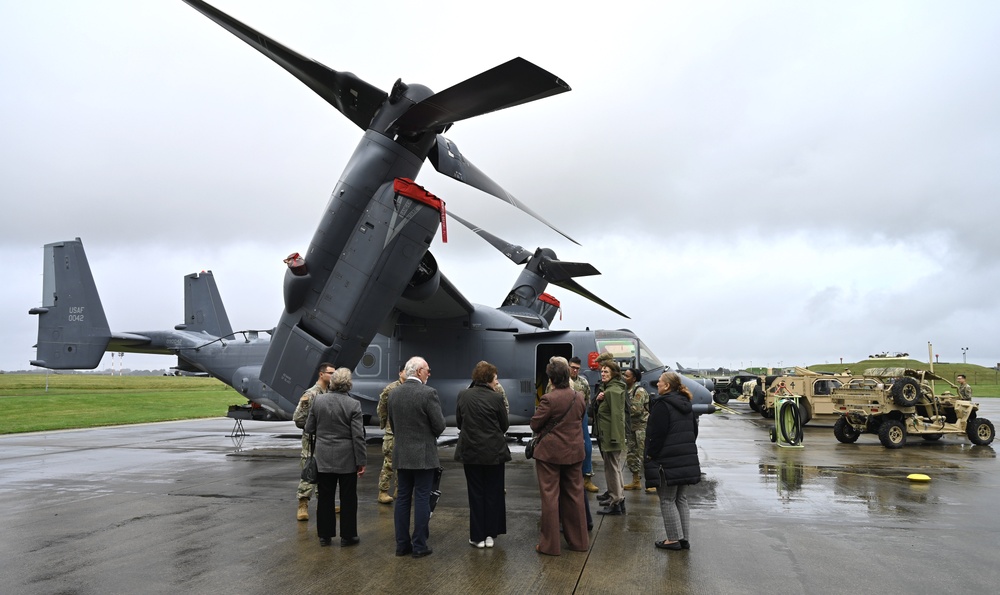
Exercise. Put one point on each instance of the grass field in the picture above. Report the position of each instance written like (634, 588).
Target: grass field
(84, 401)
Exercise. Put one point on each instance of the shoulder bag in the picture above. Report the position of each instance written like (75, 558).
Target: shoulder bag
(529, 450)
(311, 470)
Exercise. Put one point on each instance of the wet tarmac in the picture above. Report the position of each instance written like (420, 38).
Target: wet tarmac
(181, 507)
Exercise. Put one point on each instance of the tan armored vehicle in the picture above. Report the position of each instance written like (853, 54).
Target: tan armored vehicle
(896, 402)
(813, 388)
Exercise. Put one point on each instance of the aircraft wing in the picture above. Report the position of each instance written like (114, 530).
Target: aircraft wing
(446, 302)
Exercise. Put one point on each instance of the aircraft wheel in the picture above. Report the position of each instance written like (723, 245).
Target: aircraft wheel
(892, 434)
(980, 431)
(931, 437)
(905, 392)
(845, 432)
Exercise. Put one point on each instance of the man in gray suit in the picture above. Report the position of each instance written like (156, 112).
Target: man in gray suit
(416, 420)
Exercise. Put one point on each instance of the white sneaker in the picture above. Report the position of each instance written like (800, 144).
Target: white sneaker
(478, 544)
(489, 542)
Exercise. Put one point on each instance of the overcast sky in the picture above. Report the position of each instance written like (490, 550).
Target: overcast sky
(760, 183)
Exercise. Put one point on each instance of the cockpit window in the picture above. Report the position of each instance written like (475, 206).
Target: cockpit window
(622, 348)
(647, 359)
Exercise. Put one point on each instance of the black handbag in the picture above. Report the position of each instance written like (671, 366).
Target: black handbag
(529, 449)
(311, 470)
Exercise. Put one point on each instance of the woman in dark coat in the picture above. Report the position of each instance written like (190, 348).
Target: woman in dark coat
(672, 457)
(341, 455)
(482, 448)
(559, 464)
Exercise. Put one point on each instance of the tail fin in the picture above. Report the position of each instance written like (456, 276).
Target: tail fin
(203, 309)
(73, 331)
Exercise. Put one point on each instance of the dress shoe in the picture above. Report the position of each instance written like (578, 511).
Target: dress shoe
(349, 541)
(611, 510)
(477, 544)
(604, 496)
(422, 553)
(489, 541)
(406, 552)
(663, 545)
(685, 544)
(325, 541)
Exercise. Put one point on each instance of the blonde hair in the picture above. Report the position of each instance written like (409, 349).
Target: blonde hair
(673, 382)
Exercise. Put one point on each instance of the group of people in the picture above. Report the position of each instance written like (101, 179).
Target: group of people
(656, 434)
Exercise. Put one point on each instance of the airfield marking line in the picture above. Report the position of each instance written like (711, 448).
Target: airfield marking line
(729, 410)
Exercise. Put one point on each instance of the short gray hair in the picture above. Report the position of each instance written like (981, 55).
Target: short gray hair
(340, 381)
(413, 365)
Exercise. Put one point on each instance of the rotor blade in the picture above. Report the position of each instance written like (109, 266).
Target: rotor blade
(507, 85)
(555, 271)
(450, 161)
(352, 96)
(515, 253)
(580, 290)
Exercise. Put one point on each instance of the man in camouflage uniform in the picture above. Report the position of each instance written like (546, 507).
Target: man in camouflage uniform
(306, 489)
(638, 404)
(964, 390)
(385, 477)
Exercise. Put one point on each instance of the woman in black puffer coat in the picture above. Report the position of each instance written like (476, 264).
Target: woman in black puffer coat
(672, 456)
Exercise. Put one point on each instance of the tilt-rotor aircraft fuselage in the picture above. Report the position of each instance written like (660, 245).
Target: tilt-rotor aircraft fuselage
(367, 294)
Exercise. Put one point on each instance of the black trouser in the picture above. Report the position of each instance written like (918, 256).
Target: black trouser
(326, 515)
(487, 509)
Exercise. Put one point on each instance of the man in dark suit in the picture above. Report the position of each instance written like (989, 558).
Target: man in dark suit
(416, 420)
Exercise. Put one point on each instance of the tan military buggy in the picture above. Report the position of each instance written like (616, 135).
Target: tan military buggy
(896, 402)
(813, 388)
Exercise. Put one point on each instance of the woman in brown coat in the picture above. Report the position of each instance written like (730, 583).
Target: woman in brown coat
(559, 464)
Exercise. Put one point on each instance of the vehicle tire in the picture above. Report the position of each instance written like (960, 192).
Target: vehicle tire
(721, 397)
(773, 434)
(757, 399)
(892, 434)
(789, 423)
(844, 432)
(931, 437)
(980, 431)
(905, 392)
(765, 412)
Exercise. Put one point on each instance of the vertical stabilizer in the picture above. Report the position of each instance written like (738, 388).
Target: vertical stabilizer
(73, 331)
(203, 308)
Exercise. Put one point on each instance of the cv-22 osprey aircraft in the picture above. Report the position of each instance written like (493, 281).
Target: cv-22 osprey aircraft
(368, 293)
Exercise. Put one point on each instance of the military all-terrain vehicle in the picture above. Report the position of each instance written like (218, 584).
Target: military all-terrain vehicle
(896, 402)
(730, 387)
(813, 388)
